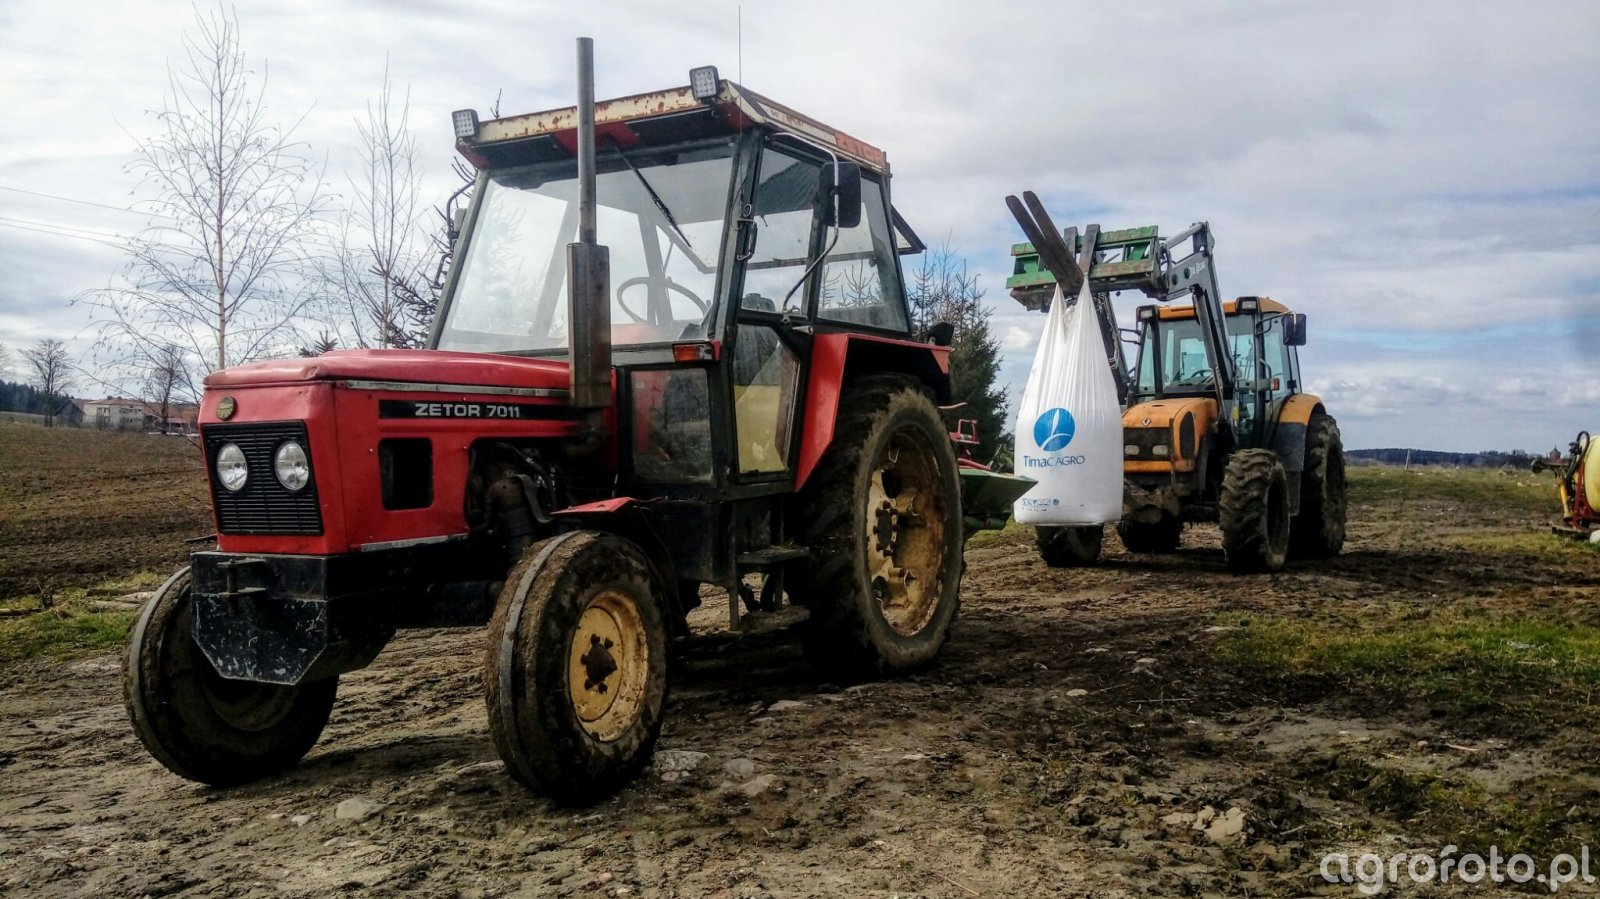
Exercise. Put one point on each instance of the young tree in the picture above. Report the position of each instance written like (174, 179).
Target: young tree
(942, 290)
(380, 267)
(221, 272)
(52, 374)
(168, 380)
(325, 343)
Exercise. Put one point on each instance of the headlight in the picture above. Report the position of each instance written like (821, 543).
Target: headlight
(289, 463)
(232, 469)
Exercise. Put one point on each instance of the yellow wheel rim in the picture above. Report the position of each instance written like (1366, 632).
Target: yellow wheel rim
(608, 665)
(905, 533)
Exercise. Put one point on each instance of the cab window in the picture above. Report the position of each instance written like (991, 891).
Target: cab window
(859, 285)
(786, 202)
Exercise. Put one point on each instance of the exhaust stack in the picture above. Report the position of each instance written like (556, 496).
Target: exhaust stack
(588, 264)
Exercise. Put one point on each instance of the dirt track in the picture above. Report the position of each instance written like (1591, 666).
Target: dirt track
(1066, 741)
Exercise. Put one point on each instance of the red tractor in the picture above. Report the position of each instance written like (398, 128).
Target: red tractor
(673, 350)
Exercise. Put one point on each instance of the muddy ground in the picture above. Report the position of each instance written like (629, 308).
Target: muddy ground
(1083, 734)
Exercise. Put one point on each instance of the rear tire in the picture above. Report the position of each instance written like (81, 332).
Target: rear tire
(882, 515)
(201, 725)
(1254, 511)
(576, 673)
(1142, 537)
(1318, 531)
(1069, 547)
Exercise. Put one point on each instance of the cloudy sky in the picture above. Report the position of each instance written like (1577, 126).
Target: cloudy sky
(1421, 179)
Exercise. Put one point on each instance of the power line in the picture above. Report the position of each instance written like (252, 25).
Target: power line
(88, 231)
(35, 193)
(97, 240)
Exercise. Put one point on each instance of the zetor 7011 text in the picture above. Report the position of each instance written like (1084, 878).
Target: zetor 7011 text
(673, 350)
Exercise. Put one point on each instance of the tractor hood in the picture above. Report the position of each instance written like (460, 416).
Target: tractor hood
(401, 366)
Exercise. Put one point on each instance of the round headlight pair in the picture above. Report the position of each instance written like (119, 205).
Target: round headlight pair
(289, 463)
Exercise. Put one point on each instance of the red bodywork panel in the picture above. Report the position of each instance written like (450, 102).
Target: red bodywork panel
(337, 395)
(829, 355)
(423, 366)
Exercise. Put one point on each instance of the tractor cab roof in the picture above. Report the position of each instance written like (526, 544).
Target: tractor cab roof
(661, 117)
(1231, 307)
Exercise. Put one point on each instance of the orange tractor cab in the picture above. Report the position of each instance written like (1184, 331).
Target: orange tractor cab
(673, 350)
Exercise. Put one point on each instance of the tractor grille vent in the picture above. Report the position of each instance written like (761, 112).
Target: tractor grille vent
(1139, 444)
(262, 506)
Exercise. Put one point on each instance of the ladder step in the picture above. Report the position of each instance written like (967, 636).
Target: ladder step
(772, 555)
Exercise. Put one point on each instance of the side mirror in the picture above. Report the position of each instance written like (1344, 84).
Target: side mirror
(1294, 329)
(842, 205)
(458, 220)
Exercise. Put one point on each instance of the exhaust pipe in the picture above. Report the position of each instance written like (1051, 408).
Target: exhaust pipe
(588, 264)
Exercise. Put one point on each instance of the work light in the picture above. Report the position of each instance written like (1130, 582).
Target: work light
(703, 82)
(466, 122)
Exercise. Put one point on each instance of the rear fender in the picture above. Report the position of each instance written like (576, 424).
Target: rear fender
(837, 360)
(1291, 418)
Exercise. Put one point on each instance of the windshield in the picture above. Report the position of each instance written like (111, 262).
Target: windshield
(661, 213)
(1183, 355)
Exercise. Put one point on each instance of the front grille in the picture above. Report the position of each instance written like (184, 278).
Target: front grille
(1142, 443)
(262, 506)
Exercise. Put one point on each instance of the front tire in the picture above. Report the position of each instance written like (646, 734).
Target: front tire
(576, 672)
(201, 725)
(1254, 511)
(1069, 547)
(1318, 531)
(882, 515)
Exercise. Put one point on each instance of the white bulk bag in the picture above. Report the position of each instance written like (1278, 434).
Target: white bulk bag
(1069, 425)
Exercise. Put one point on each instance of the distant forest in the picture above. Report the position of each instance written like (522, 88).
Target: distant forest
(16, 397)
(1485, 459)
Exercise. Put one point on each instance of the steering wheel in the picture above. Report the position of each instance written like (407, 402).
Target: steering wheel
(670, 284)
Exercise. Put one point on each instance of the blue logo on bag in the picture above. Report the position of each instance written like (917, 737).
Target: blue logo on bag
(1053, 431)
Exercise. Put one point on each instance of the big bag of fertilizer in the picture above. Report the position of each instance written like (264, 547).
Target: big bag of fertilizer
(1069, 424)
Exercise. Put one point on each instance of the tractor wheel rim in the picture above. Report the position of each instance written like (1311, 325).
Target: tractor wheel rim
(608, 665)
(905, 532)
(245, 705)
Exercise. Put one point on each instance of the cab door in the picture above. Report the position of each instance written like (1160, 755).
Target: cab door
(772, 319)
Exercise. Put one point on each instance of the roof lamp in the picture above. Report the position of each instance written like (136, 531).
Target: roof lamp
(466, 123)
(703, 82)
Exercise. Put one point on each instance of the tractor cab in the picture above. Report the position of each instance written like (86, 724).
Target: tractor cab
(740, 235)
(1262, 341)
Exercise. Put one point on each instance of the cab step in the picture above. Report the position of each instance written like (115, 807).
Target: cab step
(764, 559)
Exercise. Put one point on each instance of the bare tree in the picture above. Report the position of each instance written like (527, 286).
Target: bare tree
(52, 374)
(379, 270)
(168, 380)
(223, 275)
(5, 361)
